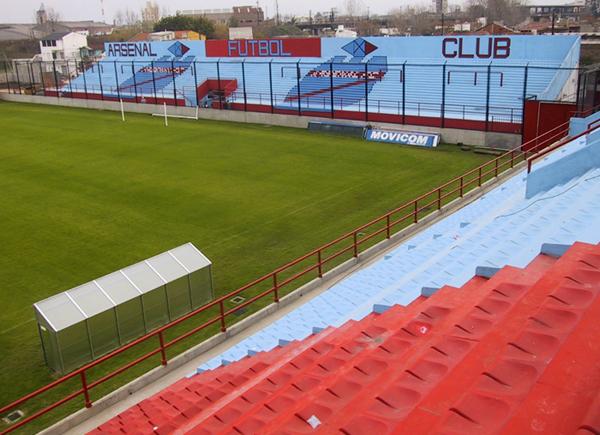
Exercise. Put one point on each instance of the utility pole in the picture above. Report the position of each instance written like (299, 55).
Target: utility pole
(277, 11)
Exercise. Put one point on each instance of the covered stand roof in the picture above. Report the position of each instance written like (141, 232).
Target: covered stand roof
(102, 294)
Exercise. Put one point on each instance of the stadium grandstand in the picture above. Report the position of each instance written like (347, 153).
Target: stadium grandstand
(469, 309)
(476, 82)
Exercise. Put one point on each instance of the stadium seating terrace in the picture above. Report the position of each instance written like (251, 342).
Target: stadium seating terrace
(485, 322)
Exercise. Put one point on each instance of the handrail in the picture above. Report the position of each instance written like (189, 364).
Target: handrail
(565, 141)
(350, 242)
(586, 112)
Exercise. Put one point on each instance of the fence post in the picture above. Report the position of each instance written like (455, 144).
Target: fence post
(366, 92)
(70, 79)
(153, 82)
(415, 212)
(31, 78)
(99, 66)
(6, 64)
(595, 94)
(222, 315)
(487, 98)
(439, 198)
(18, 78)
(443, 108)
(55, 78)
(275, 288)
(332, 108)
(84, 79)
(219, 84)
(355, 244)
(117, 80)
(244, 84)
(41, 77)
(577, 101)
(320, 263)
(585, 76)
(387, 227)
(298, 87)
(461, 189)
(404, 93)
(174, 84)
(195, 84)
(271, 85)
(86, 392)
(479, 177)
(526, 74)
(163, 354)
(134, 80)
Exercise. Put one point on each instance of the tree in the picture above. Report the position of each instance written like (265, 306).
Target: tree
(150, 15)
(353, 8)
(119, 18)
(221, 31)
(183, 22)
(510, 12)
(131, 18)
(53, 15)
(367, 28)
(413, 21)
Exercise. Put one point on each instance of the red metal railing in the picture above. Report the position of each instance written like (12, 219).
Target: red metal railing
(353, 242)
(591, 127)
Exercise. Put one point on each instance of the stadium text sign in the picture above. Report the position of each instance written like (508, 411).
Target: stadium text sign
(293, 47)
(402, 137)
(476, 48)
(130, 49)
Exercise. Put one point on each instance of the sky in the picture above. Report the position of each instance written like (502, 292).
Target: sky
(22, 11)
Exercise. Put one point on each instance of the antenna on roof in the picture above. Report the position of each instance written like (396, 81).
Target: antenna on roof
(102, 10)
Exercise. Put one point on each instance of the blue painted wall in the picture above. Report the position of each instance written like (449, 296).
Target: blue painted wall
(523, 49)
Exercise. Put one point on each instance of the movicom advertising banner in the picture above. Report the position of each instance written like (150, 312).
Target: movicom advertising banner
(402, 137)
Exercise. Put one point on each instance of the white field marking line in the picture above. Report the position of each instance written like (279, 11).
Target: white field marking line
(18, 325)
(290, 213)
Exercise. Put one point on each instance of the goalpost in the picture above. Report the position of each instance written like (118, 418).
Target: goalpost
(167, 116)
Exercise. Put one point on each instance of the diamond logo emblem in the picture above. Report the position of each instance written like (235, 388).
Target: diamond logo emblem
(359, 47)
(178, 49)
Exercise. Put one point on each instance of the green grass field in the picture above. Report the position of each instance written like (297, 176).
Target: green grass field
(84, 194)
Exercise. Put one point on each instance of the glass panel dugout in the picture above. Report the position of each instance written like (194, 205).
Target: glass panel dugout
(90, 320)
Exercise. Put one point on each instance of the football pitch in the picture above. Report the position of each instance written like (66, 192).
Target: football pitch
(84, 194)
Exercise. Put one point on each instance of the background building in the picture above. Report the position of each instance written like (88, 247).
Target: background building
(62, 46)
(237, 16)
(240, 33)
